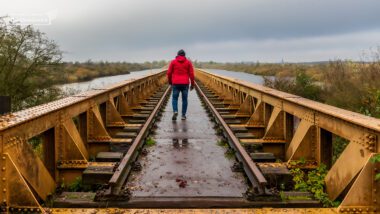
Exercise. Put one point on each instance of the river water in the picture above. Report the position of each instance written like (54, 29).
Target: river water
(73, 88)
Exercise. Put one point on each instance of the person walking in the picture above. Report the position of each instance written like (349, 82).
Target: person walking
(180, 74)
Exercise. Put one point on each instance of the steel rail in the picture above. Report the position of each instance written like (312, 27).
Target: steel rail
(118, 178)
(253, 172)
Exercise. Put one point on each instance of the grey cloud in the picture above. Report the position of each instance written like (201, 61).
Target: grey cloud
(99, 30)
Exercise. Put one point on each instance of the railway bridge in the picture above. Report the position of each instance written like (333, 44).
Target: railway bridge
(115, 149)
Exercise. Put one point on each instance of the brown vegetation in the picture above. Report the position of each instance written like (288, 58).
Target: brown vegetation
(355, 87)
(313, 70)
(350, 85)
(77, 72)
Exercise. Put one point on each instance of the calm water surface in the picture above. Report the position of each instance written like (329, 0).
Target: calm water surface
(77, 87)
(73, 88)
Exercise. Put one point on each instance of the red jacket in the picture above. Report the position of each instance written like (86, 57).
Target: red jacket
(180, 71)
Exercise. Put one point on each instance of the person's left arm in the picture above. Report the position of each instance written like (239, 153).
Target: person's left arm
(191, 75)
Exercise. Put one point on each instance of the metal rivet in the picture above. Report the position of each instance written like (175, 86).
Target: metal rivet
(3, 169)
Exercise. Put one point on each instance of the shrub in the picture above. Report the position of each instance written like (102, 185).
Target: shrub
(313, 182)
(302, 85)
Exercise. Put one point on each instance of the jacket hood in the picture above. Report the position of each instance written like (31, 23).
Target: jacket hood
(180, 58)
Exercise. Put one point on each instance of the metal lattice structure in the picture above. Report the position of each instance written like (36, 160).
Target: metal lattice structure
(72, 129)
(351, 176)
(76, 128)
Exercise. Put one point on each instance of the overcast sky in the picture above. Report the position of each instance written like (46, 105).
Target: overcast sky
(218, 30)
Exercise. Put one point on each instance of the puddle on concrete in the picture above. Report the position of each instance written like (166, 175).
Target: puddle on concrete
(186, 160)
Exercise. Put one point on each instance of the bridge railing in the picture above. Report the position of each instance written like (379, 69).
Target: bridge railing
(66, 134)
(75, 128)
(307, 128)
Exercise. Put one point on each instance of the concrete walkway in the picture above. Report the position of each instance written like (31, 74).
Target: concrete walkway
(186, 160)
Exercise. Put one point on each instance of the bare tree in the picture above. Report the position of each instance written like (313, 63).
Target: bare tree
(29, 63)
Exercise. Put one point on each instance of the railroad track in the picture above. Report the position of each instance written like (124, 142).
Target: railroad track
(105, 183)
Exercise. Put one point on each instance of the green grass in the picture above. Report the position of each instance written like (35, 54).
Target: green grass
(219, 131)
(76, 186)
(230, 154)
(222, 143)
(299, 198)
(313, 182)
(150, 141)
(72, 196)
(376, 159)
(290, 198)
(37, 146)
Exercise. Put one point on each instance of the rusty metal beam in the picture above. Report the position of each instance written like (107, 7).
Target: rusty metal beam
(275, 98)
(72, 139)
(257, 118)
(363, 195)
(66, 145)
(275, 126)
(318, 121)
(13, 183)
(200, 211)
(113, 117)
(268, 108)
(246, 107)
(298, 139)
(36, 120)
(345, 169)
(29, 166)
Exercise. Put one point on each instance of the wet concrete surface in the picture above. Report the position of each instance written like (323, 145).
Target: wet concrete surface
(186, 160)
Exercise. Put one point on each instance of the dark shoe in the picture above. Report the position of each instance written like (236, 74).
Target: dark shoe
(175, 116)
(183, 118)
(176, 143)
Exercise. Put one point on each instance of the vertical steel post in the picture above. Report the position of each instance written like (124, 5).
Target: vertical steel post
(5, 104)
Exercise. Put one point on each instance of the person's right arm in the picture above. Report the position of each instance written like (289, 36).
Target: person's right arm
(169, 73)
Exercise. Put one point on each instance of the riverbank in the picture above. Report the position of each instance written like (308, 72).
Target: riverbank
(315, 70)
(77, 87)
(86, 71)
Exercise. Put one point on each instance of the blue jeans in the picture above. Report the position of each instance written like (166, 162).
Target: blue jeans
(184, 89)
